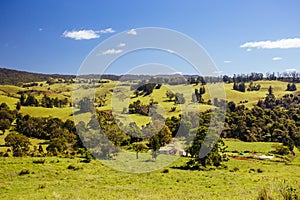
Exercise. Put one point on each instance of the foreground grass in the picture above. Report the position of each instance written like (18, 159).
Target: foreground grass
(53, 180)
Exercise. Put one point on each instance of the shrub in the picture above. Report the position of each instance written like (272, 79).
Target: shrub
(259, 170)
(289, 193)
(74, 167)
(281, 149)
(24, 172)
(40, 161)
(264, 194)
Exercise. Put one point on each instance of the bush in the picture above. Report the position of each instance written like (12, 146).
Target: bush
(281, 149)
(259, 170)
(24, 172)
(40, 161)
(74, 167)
(264, 195)
(289, 193)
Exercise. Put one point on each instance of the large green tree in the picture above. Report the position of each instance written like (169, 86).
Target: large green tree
(19, 143)
(4, 125)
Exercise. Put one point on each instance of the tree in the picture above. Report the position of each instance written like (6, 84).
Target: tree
(31, 101)
(4, 125)
(270, 90)
(138, 147)
(155, 145)
(4, 106)
(19, 143)
(57, 145)
(85, 105)
(22, 99)
(18, 106)
(179, 99)
(242, 87)
(170, 95)
(291, 87)
(164, 136)
(216, 155)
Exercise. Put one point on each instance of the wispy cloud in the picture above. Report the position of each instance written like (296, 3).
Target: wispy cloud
(290, 70)
(81, 34)
(132, 32)
(248, 50)
(227, 61)
(86, 34)
(108, 30)
(276, 58)
(112, 51)
(286, 43)
(40, 29)
(122, 45)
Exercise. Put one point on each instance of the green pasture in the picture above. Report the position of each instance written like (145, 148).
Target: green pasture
(242, 179)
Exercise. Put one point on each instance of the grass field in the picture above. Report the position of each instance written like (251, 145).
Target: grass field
(62, 113)
(53, 179)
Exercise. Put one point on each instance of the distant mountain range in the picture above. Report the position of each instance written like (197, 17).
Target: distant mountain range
(15, 77)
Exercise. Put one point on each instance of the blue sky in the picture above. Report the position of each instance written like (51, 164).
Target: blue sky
(55, 36)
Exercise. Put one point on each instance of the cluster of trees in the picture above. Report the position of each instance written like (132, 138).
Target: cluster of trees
(147, 88)
(178, 98)
(61, 135)
(197, 96)
(291, 87)
(285, 76)
(239, 86)
(273, 120)
(6, 117)
(138, 107)
(46, 101)
(253, 87)
(197, 80)
(30, 85)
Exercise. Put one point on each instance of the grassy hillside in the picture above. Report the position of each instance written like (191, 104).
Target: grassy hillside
(119, 96)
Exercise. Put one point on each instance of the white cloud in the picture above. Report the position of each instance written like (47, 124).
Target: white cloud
(122, 45)
(132, 32)
(286, 43)
(248, 50)
(112, 51)
(290, 70)
(276, 58)
(81, 35)
(41, 29)
(108, 30)
(227, 61)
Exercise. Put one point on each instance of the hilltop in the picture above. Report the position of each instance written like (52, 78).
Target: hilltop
(15, 77)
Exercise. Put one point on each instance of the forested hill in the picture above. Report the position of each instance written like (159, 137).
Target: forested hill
(14, 77)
